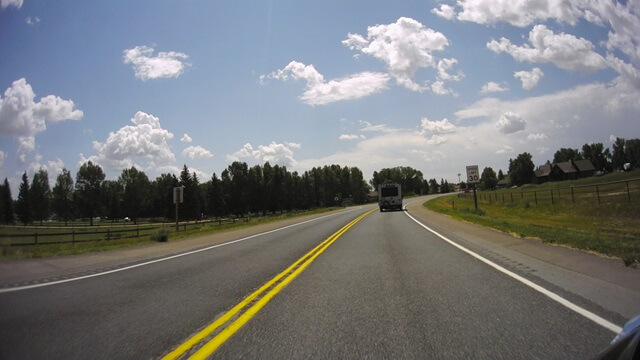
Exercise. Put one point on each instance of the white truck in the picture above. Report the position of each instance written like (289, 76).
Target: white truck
(390, 196)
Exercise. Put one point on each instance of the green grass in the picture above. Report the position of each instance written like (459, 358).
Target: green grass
(611, 228)
(8, 252)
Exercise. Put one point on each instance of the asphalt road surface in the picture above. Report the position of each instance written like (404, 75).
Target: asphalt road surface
(384, 287)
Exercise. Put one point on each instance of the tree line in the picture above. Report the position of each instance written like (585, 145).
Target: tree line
(240, 190)
(521, 169)
(411, 180)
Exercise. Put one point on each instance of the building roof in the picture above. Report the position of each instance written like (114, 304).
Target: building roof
(584, 165)
(566, 167)
(543, 170)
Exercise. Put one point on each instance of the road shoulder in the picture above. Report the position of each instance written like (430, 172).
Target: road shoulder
(601, 280)
(32, 271)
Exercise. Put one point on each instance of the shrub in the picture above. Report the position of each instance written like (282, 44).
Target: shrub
(160, 235)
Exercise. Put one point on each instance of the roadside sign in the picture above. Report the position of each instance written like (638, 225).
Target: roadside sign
(473, 174)
(178, 196)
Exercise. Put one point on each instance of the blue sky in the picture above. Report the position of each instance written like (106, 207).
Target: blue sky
(435, 85)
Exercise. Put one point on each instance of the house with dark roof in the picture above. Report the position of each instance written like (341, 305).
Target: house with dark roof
(568, 170)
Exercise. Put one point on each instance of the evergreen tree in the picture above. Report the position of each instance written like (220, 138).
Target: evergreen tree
(617, 157)
(112, 198)
(215, 198)
(40, 196)
(62, 202)
(162, 196)
(434, 188)
(23, 205)
(6, 216)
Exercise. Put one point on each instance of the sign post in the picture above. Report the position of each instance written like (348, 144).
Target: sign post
(178, 197)
(473, 177)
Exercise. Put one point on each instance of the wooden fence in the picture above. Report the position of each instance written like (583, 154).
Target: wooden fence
(626, 190)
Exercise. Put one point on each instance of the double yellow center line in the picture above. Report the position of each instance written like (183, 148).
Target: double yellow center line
(240, 314)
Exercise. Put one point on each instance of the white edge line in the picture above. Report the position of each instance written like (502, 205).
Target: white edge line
(589, 315)
(26, 287)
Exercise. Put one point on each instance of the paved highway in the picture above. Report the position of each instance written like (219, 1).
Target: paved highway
(381, 286)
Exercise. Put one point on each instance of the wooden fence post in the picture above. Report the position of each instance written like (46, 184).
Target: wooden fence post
(598, 194)
(551, 196)
(36, 235)
(573, 199)
(628, 192)
(535, 196)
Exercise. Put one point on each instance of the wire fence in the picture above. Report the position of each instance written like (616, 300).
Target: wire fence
(76, 234)
(602, 193)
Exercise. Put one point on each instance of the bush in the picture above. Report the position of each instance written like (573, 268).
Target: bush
(160, 235)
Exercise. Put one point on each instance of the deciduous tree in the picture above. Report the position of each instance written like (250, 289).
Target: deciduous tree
(88, 190)
(521, 169)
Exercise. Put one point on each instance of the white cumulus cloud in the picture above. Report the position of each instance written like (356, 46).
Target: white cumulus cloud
(186, 139)
(15, 3)
(274, 153)
(519, 13)
(537, 137)
(32, 21)
(529, 78)
(445, 11)
(404, 46)
(322, 92)
(352, 137)
(505, 149)
(510, 123)
(196, 152)
(147, 66)
(563, 50)
(436, 127)
(23, 118)
(492, 87)
(143, 144)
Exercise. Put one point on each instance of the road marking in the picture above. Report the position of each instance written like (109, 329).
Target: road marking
(582, 311)
(26, 287)
(275, 285)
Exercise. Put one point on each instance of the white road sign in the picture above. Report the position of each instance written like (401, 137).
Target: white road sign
(473, 174)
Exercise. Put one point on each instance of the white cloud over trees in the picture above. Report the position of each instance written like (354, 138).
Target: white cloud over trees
(23, 118)
(143, 144)
(196, 152)
(274, 153)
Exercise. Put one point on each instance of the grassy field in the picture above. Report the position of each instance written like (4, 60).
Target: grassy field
(611, 228)
(117, 240)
